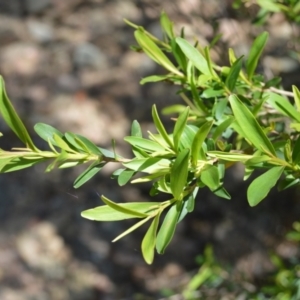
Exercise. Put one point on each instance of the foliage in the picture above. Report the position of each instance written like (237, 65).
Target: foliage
(282, 284)
(230, 115)
(290, 8)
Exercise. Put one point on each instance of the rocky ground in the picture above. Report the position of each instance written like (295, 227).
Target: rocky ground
(68, 64)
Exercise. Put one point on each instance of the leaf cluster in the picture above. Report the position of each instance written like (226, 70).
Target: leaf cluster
(229, 115)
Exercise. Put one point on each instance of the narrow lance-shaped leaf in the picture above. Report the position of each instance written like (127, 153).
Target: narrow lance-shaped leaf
(160, 127)
(198, 141)
(86, 175)
(209, 62)
(179, 173)
(144, 144)
(283, 105)
(296, 97)
(234, 74)
(149, 241)
(123, 209)
(194, 55)
(167, 228)
(260, 187)
(125, 176)
(249, 126)
(167, 25)
(12, 119)
(46, 132)
(179, 127)
(269, 5)
(136, 129)
(107, 213)
(210, 177)
(132, 228)
(155, 52)
(255, 53)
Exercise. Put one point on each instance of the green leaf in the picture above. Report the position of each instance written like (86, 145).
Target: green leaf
(193, 55)
(199, 138)
(136, 129)
(86, 175)
(179, 173)
(234, 74)
(160, 127)
(188, 136)
(230, 156)
(154, 52)
(269, 5)
(255, 53)
(12, 119)
(188, 204)
(132, 228)
(20, 163)
(260, 186)
(222, 193)
(89, 145)
(283, 105)
(149, 241)
(61, 143)
(46, 132)
(148, 165)
(144, 144)
(210, 177)
(297, 97)
(249, 126)
(179, 127)
(209, 62)
(168, 227)
(173, 109)
(154, 78)
(125, 176)
(107, 213)
(221, 128)
(167, 25)
(123, 209)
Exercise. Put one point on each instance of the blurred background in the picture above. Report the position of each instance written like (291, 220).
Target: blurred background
(68, 63)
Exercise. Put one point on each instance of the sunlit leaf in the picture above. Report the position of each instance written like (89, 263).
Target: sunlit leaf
(132, 228)
(148, 165)
(167, 25)
(125, 176)
(86, 175)
(149, 241)
(144, 144)
(234, 74)
(269, 5)
(46, 132)
(194, 55)
(107, 213)
(210, 177)
(154, 78)
(255, 53)
(283, 105)
(180, 126)
(179, 173)
(123, 209)
(198, 141)
(154, 52)
(297, 97)
(250, 127)
(160, 127)
(12, 119)
(167, 228)
(260, 186)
